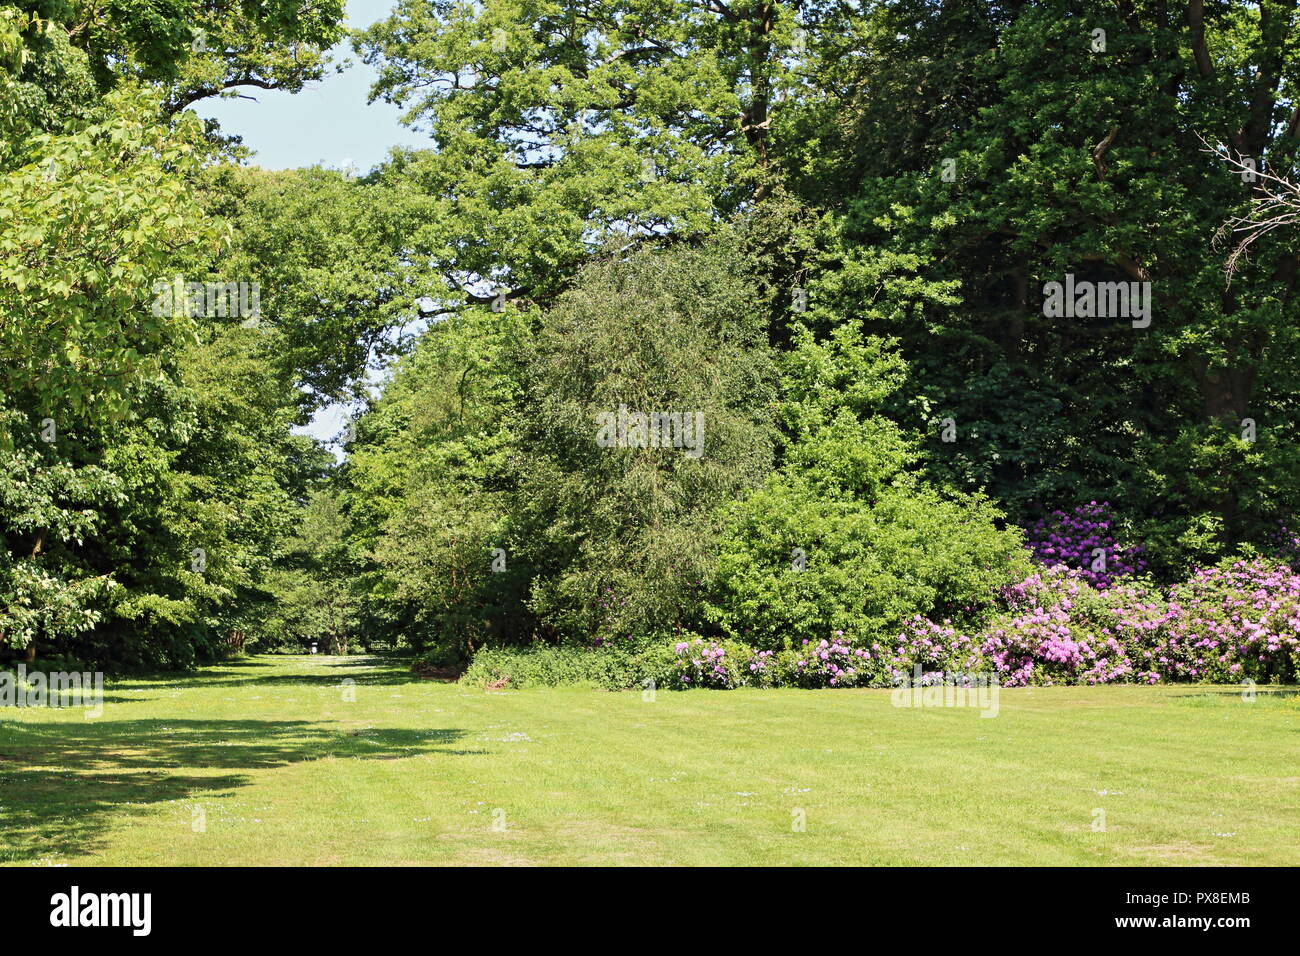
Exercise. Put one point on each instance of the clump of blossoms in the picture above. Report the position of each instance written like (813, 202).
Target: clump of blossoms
(1059, 629)
(761, 667)
(830, 662)
(1073, 538)
(1056, 586)
(1036, 646)
(709, 663)
(1232, 622)
(1132, 630)
(938, 649)
(1286, 545)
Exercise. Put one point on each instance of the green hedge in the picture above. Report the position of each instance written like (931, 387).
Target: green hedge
(553, 667)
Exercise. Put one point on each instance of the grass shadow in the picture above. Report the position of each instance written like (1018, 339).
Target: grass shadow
(61, 784)
(376, 672)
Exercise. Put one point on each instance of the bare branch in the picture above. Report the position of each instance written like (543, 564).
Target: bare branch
(1275, 205)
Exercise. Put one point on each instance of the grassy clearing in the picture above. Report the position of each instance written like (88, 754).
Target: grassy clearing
(282, 769)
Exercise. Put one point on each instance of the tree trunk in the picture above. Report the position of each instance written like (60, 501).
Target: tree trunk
(1225, 392)
(1226, 395)
(755, 120)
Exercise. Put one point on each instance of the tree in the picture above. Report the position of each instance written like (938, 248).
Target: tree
(191, 49)
(647, 405)
(425, 483)
(562, 129)
(91, 216)
(313, 586)
(1071, 144)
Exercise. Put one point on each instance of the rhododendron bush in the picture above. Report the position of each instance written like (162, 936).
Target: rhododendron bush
(697, 662)
(1235, 622)
(1085, 539)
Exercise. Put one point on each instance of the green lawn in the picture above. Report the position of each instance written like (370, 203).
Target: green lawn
(282, 769)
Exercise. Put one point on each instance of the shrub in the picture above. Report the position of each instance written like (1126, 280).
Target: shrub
(1236, 621)
(937, 650)
(1225, 624)
(547, 666)
(1073, 539)
(862, 567)
(698, 662)
(1285, 545)
(830, 662)
(843, 538)
(1060, 629)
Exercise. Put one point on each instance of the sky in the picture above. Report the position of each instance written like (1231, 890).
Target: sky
(329, 123)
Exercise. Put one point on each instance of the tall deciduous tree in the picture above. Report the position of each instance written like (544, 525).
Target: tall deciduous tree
(558, 126)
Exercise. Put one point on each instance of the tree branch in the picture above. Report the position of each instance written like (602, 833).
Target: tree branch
(1099, 151)
(1196, 20)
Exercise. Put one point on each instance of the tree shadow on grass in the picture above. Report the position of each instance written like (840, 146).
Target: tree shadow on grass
(363, 671)
(61, 784)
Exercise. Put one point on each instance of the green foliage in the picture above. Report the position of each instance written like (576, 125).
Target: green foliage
(1067, 158)
(620, 538)
(39, 604)
(328, 253)
(148, 469)
(91, 220)
(692, 662)
(560, 128)
(844, 536)
(545, 666)
(869, 565)
(425, 480)
(313, 586)
(647, 193)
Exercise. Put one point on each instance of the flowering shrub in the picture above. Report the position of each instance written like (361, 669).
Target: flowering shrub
(1073, 538)
(843, 661)
(762, 668)
(1237, 621)
(1035, 647)
(937, 649)
(1134, 617)
(708, 663)
(832, 662)
(1059, 629)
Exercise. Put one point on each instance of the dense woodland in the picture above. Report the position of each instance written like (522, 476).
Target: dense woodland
(824, 230)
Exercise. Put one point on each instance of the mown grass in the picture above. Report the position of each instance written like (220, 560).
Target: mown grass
(281, 768)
